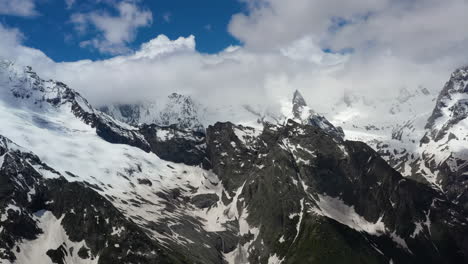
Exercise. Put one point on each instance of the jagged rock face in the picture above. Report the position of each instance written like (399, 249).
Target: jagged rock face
(173, 144)
(302, 113)
(451, 106)
(178, 110)
(290, 179)
(445, 143)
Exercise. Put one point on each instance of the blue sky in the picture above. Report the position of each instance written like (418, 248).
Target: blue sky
(51, 30)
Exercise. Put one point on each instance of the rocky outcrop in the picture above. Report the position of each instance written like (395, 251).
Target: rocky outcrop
(173, 144)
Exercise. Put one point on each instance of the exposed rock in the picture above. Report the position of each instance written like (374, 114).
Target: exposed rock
(173, 144)
(205, 200)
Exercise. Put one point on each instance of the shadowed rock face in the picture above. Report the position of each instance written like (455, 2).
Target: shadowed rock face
(285, 172)
(173, 144)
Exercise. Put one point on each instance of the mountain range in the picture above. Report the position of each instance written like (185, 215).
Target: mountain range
(174, 181)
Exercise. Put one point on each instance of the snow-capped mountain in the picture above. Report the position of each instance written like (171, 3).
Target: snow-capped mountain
(177, 110)
(424, 143)
(186, 114)
(444, 147)
(393, 125)
(78, 186)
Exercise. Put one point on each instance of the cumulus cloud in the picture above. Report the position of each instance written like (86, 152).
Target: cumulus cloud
(112, 33)
(25, 8)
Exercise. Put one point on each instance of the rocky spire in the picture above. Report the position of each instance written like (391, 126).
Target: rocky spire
(298, 104)
(302, 113)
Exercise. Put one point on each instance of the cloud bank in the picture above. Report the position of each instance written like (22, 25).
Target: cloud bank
(323, 48)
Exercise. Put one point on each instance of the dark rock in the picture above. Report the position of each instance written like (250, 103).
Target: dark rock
(57, 255)
(173, 144)
(205, 200)
(145, 182)
(83, 253)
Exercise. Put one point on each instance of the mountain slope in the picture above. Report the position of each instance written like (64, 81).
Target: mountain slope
(445, 144)
(432, 147)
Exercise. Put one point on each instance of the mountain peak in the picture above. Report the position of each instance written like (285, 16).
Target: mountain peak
(298, 98)
(304, 114)
(451, 105)
(178, 109)
(299, 104)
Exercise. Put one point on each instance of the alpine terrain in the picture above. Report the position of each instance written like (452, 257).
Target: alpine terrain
(165, 182)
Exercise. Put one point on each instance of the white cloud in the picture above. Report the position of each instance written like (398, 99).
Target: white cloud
(242, 76)
(11, 48)
(274, 23)
(283, 51)
(114, 33)
(419, 30)
(162, 45)
(163, 66)
(24, 8)
(306, 48)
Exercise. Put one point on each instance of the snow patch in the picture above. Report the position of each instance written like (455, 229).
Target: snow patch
(274, 259)
(336, 209)
(53, 236)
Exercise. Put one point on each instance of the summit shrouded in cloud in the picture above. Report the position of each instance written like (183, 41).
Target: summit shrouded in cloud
(324, 49)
